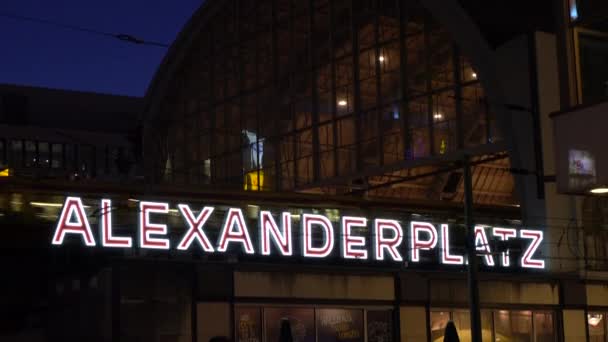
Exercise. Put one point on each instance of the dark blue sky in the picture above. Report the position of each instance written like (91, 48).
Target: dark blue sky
(41, 55)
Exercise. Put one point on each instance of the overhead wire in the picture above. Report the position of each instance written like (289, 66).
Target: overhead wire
(120, 36)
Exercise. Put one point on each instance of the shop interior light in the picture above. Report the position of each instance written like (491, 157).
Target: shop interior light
(342, 103)
(474, 75)
(599, 190)
(437, 116)
(381, 58)
(594, 319)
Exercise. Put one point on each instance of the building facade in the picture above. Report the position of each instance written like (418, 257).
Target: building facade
(304, 177)
(50, 133)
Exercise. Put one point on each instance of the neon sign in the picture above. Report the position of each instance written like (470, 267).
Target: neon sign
(317, 235)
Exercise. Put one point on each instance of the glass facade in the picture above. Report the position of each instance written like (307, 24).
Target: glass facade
(293, 95)
(63, 160)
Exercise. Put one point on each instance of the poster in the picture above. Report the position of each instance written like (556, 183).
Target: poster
(248, 324)
(343, 325)
(379, 326)
(301, 321)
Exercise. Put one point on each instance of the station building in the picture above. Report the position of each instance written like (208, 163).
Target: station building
(304, 168)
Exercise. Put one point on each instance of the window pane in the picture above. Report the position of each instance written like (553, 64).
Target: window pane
(300, 320)
(44, 156)
(2, 154)
(379, 325)
(594, 70)
(462, 321)
(439, 319)
(56, 156)
(340, 325)
(513, 325)
(30, 153)
(543, 326)
(248, 324)
(597, 324)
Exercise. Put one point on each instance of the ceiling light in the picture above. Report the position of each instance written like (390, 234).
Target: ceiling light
(342, 103)
(599, 190)
(381, 58)
(594, 319)
(474, 75)
(437, 116)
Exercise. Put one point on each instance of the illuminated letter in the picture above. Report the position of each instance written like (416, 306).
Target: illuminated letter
(107, 239)
(382, 243)
(505, 234)
(195, 231)
(446, 257)
(281, 237)
(73, 205)
(537, 238)
(146, 229)
(234, 217)
(316, 252)
(349, 241)
(482, 244)
(416, 243)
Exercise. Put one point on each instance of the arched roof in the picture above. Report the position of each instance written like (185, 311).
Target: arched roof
(448, 13)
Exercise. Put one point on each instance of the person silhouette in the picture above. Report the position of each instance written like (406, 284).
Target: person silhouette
(450, 334)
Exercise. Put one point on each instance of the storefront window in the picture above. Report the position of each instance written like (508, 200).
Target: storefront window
(379, 326)
(543, 327)
(306, 324)
(299, 321)
(336, 325)
(496, 325)
(513, 325)
(597, 326)
(248, 324)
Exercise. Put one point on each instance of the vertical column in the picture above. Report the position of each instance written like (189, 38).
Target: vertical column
(379, 111)
(357, 88)
(193, 306)
(276, 139)
(429, 85)
(334, 109)
(458, 96)
(316, 152)
(115, 303)
(471, 253)
(403, 103)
